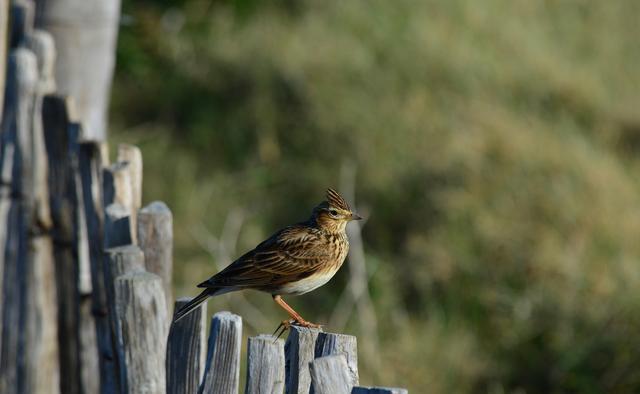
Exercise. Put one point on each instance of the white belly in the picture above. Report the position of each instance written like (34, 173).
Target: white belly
(307, 284)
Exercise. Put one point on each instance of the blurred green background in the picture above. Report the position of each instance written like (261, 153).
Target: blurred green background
(494, 147)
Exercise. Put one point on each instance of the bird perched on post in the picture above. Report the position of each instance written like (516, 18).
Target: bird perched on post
(295, 260)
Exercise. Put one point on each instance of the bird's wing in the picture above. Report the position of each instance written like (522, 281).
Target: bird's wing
(289, 255)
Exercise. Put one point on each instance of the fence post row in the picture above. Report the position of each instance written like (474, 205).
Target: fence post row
(85, 269)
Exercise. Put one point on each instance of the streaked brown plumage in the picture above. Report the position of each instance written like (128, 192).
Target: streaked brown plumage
(295, 260)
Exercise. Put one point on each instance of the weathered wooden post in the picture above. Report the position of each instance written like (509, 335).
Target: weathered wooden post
(120, 261)
(222, 371)
(41, 343)
(117, 262)
(265, 365)
(41, 44)
(378, 390)
(141, 320)
(89, 169)
(4, 30)
(329, 375)
(78, 357)
(21, 17)
(155, 235)
(20, 349)
(118, 202)
(117, 226)
(340, 344)
(131, 155)
(299, 351)
(186, 350)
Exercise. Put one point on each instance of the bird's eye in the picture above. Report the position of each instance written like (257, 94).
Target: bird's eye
(333, 212)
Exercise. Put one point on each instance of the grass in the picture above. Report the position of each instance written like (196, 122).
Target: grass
(496, 151)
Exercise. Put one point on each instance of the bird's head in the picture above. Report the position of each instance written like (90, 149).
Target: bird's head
(334, 213)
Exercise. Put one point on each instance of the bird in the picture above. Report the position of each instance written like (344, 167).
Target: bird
(295, 260)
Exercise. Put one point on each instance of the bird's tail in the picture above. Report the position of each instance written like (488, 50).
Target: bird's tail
(193, 304)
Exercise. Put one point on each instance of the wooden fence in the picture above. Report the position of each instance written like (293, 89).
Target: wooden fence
(85, 269)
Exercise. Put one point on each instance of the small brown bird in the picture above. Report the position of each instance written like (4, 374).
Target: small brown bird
(294, 260)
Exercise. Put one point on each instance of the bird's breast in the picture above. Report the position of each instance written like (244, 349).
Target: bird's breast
(307, 284)
(339, 245)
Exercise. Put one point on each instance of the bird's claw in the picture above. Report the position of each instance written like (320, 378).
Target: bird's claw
(284, 326)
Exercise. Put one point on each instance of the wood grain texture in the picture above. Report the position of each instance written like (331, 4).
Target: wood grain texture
(41, 320)
(141, 316)
(42, 308)
(21, 16)
(186, 350)
(116, 186)
(340, 344)
(119, 261)
(265, 365)
(329, 375)
(4, 39)
(122, 260)
(89, 170)
(131, 155)
(7, 215)
(62, 200)
(17, 357)
(118, 200)
(222, 370)
(117, 226)
(155, 235)
(41, 44)
(378, 390)
(299, 352)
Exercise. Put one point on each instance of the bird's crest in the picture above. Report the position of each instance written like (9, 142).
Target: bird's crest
(336, 200)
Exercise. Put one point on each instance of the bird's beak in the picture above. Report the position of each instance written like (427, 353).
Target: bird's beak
(355, 217)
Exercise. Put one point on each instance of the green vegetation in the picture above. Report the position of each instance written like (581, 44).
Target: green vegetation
(496, 147)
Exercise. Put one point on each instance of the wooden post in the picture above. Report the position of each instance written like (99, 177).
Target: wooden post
(300, 351)
(131, 155)
(91, 347)
(63, 202)
(119, 261)
(4, 35)
(89, 166)
(41, 44)
(6, 218)
(117, 185)
(141, 316)
(222, 371)
(17, 357)
(22, 14)
(265, 365)
(335, 344)
(119, 205)
(117, 226)
(329, 375)
(41, 321)
(42, 312)
(7, 150)
(378, 390)
(155, 234)
(122, 260)
(186, 350)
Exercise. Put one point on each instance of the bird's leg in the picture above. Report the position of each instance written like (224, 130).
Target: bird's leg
(294, 315)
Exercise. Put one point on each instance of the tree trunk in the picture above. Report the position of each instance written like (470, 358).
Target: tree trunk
(85, 33)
